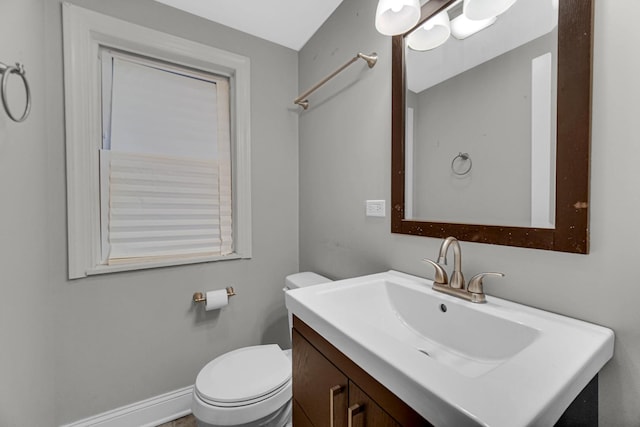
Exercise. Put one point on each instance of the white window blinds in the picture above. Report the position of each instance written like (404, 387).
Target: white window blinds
(165, 164)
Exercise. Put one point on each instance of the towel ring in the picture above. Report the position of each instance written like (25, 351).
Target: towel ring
(463, 157)
(6, 70)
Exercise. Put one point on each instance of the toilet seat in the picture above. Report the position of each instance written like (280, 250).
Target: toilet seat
(243, 385)
(240, 403)
(244, 376)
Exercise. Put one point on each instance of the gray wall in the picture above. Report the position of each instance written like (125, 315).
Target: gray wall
(26, 306)
(485, 112)
(345, 159)
(72, 349)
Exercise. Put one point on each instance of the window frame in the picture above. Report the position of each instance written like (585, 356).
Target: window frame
(85, 32)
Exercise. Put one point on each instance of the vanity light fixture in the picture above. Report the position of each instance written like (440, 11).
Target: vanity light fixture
(395, 17)
(485, 9)
(463, 27)
(431, 34)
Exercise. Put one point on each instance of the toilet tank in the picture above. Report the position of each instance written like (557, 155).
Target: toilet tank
(301, 280)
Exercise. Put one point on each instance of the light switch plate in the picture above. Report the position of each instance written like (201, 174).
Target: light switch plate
(376, 208)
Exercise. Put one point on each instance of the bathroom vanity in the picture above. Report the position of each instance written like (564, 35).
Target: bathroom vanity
(386, 350)
(329, 388)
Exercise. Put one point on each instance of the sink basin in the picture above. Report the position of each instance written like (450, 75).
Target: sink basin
(470, 341)
(454, 362)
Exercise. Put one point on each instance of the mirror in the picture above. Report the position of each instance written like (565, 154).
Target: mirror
(500, 84)
(519, 181)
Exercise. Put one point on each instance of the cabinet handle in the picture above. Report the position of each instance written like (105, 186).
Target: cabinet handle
(351, 411)
(332, 392)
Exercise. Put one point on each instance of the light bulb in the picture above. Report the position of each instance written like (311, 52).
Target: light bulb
(485, 9)
(395, 17)
(431, 34)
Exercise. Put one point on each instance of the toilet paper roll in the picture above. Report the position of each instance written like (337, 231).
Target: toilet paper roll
(216, 299)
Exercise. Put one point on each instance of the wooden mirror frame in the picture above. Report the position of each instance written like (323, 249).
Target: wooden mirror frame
(571, 232)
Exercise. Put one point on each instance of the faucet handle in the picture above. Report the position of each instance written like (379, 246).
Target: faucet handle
(441, 275)
(475, 284)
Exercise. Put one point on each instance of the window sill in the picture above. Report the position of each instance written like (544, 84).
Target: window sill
(117, 268)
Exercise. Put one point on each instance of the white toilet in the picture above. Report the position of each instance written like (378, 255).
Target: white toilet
(250, 386)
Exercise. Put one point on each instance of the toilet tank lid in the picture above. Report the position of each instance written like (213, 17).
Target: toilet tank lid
(307, 278)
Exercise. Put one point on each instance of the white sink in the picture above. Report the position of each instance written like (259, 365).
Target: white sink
(455, 362)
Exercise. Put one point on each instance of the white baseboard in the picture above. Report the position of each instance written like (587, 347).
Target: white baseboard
(147, 413)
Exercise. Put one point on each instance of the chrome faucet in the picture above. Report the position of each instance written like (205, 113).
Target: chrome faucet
(474, 292)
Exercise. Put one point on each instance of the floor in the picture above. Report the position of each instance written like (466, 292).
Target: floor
(188, 421)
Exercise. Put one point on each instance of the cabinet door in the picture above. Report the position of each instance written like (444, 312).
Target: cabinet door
(319, 388)
(299, 417)
(364, 412)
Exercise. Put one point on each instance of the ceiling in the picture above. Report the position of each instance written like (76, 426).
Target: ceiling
(289, 23)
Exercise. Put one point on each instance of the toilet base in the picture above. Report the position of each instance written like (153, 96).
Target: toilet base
(280, 418)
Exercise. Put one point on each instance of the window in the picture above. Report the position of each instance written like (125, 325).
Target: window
(157, 148)
(165, 162)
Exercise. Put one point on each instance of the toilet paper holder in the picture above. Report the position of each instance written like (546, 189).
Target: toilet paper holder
(202, 297)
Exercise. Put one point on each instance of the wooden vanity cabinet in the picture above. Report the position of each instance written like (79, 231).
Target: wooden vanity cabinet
(329, 390)
(319, 388)
(365, 412)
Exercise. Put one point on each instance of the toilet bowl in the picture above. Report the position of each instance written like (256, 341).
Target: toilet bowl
(250, 386)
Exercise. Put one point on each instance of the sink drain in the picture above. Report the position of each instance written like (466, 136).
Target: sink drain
(443, 308)
(425, 352)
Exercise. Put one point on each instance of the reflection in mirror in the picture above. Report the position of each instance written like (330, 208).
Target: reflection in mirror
(492, 96)
(491, 128)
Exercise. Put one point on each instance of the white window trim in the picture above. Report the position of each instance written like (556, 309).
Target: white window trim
(84, 32)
